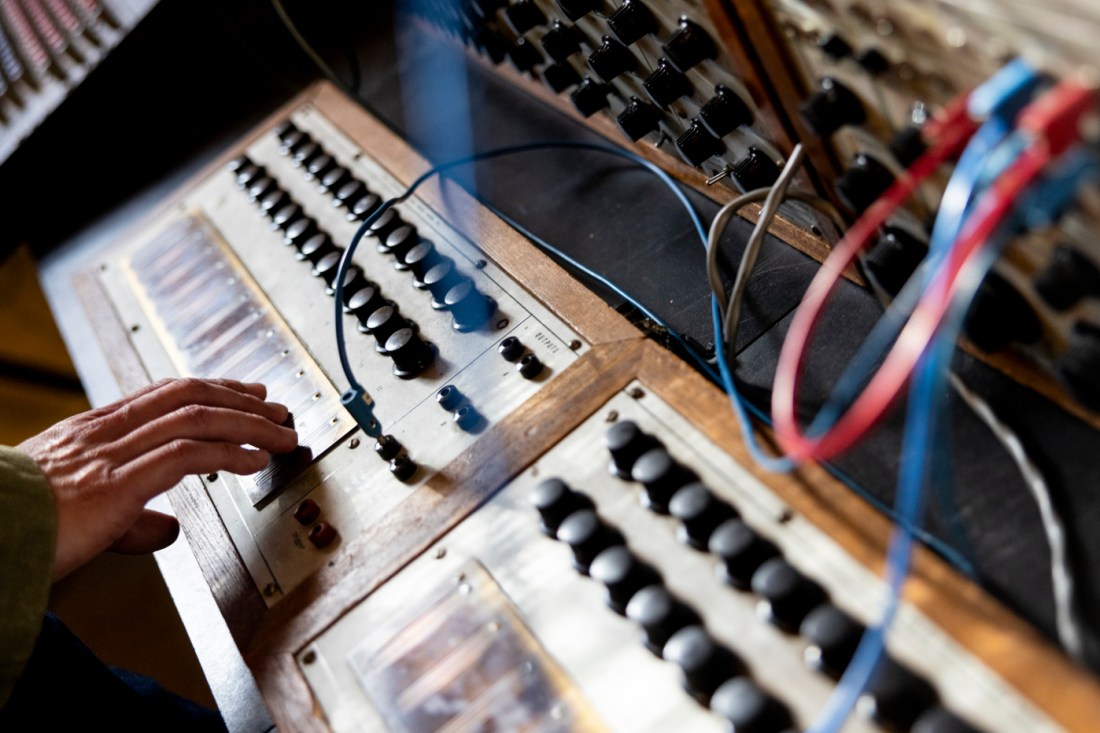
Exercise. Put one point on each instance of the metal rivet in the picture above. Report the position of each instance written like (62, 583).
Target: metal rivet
(502, 324)
(785, 516)
(612, 416)
(637, 393)
(480, 264)
(353, 443)
(270, 589)
(575, 344)
(440, 553)
(309, 657)
(135, 328)
(212, 477)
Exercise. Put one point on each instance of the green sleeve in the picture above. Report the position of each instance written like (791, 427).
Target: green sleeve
(28, 530)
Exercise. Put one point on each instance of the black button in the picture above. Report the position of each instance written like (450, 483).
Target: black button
(439, 280)
(334, 179)
(689, 46)
(939, 720)
(299, 231)
(306, 153)
(449, 397)
(833, 636)
(611, 59)
(894, 257)
(725, 111)
(1068, 278)
(832, 107)
(363, 207)
(834, 46)
(590, 97)
(638, 119)
(286, 215)
(700, 513)
(704, 663)
(467, 418)
(623, 574)
(755, 170)
(1000, 315)
(469, 308)
(748, 708)
(400, 241)
(907, 145)
(895, 696)
(249, 174)
(665, 85)
(319, 166)
(403, 468)
(384, 323)
(511, 349)
(1079, 367)
(863, 183)
(261, 187)
(741, 550)
(588, 536)
(873, 61)
(387, 447)
(410, 354)
(560, 76)
(420, 259)
(524, 55)
(364, 303)
(349, 192)
(787, 594)
(523, 15)
(555, 501)
(561, 41)
(386, 222)
(626, 442)
(577, 9)
(661, 476)
(631, 21)
(696, 144)
(660, 616)
(315, 247)
(530, 366)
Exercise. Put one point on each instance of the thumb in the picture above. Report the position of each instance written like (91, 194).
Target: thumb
(152, 531)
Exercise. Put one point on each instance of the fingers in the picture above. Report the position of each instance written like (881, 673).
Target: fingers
(151, 532)
(160, 469)
(201, 422)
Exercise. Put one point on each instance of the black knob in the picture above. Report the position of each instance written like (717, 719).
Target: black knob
(411, 355)
(524, 55)
(689, 46)
(873, 61)
(1079, 366)
(834, 46)
(237, 164)
(386, 222)
(364, 302)
(863, 183)
(469, 308)
(468, 419)
(748, 708)
(665, 85)
(307, 512)
(895, 697)
(623, 574)
(284, 128)
(249, 174)
(700, 512)
(292, 142)
(1068, 278)
(492, 43)
(298, 232)
(704, 662)
(661, 476)
(561, 41)
(939, 720)
(530, 366)
(832, 107)
(560, 76)
(261, 187)
(334, 179)
(725, 111)
(402, 468)
(660, 616)
(638, 119)
(786, 594)
(316, 247)
(384, 323)
(626, 442)
(555, 501)
(319, 166)
(523, 15)
(325, 268)
(696, 144)
(449, 397)
(590, 97)
(273, 201)
(755, 170)
(741, 550)
(577, 9)
(833, 637)
(894, 257)
(611, 59)
(511, 349)
(286, 215)
(588, 536)
(399, 242)
(363, 207)
(907, 145)
(439, 280)
(1000, 315)
(349, 193)
(306, 153)
(387, 447)
(420, 259)
(354, 281)
(632, 21)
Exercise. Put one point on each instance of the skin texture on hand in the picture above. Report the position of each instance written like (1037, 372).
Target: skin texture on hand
(105, 464)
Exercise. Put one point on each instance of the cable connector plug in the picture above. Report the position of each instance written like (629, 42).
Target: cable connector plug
(1057, 117)
(361, 407)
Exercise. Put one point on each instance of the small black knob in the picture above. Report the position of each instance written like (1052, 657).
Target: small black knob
(325, 268)
(689, 46)
(319, 166)
(468, 419)
(863, 183)
(555, 501)
(411, 355)
(511, 349)
(873, 61)
(354, 280)
(349, 193)
(241, 161)
(420, 259)
(382, 324)
(786, 594)
(755, 170)
(638, 119)
(623, 574)
(1000, 315)
(449, 397)
(523, 15)
(894, 257)
(725, 111)
(530, 366)
(1079, 366)
(299, 231)
(334, 179)
(696, 144)
(382, 226)
(660, 615)
(832, 107)
(700, 512)
(611, 59)
(907, 145)
(315, 247)
(403, 468)
(833, 637)
(1068, 278)
(590, 97)
(895, 697)
(741, 550)
(661, 476)
(665, 85)
(524, 55)
(492, 43)
(284, 128)
(940, 720)
(560, 76)
(561, 41)
(387, 447)
(306, 153)
(261, 187)
(577, 9)
(249, 174)
(273, 201)
(439, 280)
(286, 215)
(704, 662)
(626, 442)
(469, 308)
(364, 302)
(399, 242)
(632, 21)
(363, 207)
(588, 536)
(834, 46)
(292, 142)
(748, 708)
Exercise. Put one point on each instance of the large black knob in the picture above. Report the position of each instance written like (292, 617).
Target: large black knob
(523, 15)
(382, 226)
(748, 708)
(326, 267)
(555, 501)
(689, 46)
(725, 111)
(292, 142)
(273, 201)
(632, 21)
(588, 536)
(696, 144)
(306, 153)
(660, 615)
(261, 187)
(895, 697)
(833, 637)
(439, 280)
(286, 215)
(334, 179)
(611, 59)
(665, 85)
(577, 9)
(638, 119)
(364, 302)
(661, 476)
(349, 193)
(399, 242)
(786, 594)
(524, 55)
(354, 280)
(940, 720)
(284, 128)
(623, 574)
(907, 145)
(590, 97)
(241, 161)
(1000, 315)
(705, 663)
(1068, 278)
(411, 355)
(873, 61)
(741, 550)
(755, 170)
(894, 257)
(319, 166)
(863, 183)
(832, 107)
(469, 308)
(382, 324)
(560, 76)
(561, 41)
(315, 247)
(249, 174)
(700, 512)
(834, 46)
(363, 207)
(1079, 367)
(626, 442)
(299, 231)
(420, 259)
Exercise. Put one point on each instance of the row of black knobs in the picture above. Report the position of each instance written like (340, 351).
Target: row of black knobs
(712, 674)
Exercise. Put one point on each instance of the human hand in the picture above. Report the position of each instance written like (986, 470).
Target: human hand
(105, 464)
